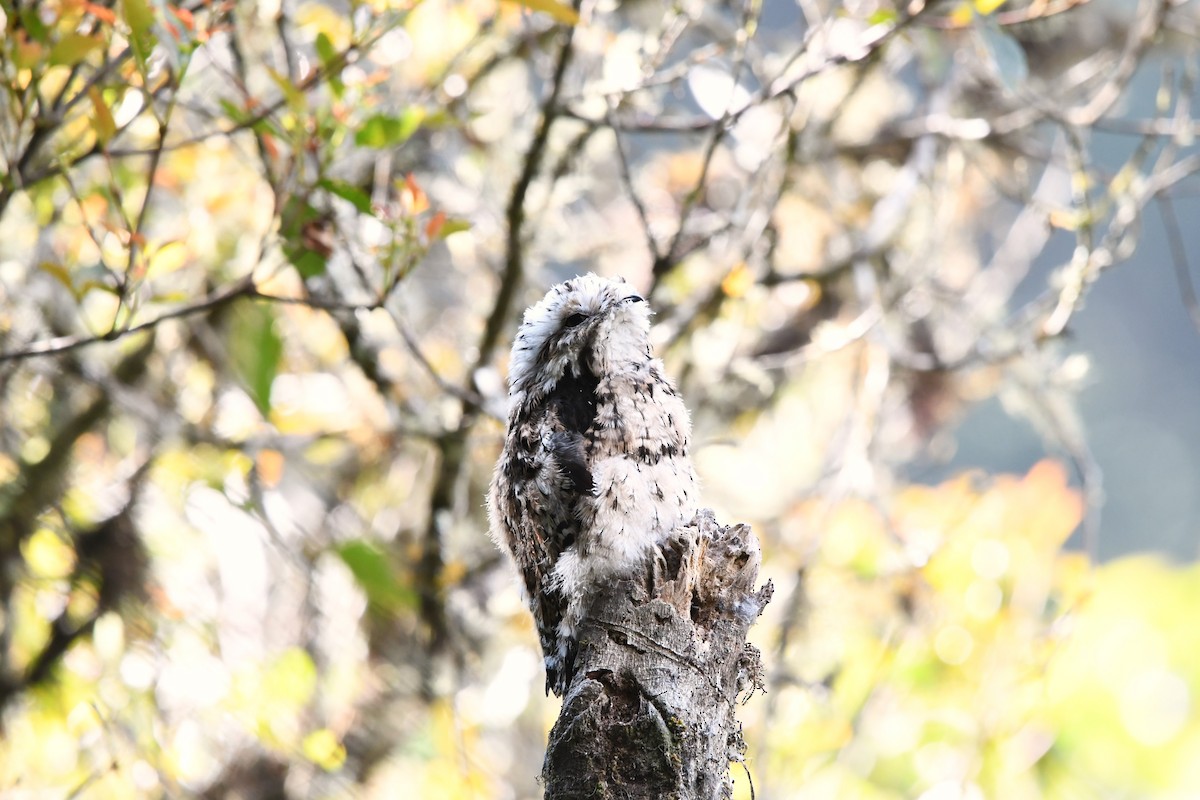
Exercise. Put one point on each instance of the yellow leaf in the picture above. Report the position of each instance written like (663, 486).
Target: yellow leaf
(290, 680)
(985, 7)
(106, 126)
(73, 48)
(738, 281)
(559, 11)
(323, 749)
(967, 10)
(47, 556)
(315, 18)
(59, 272)
(167, 258)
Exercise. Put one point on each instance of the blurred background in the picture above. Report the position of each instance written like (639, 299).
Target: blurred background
(923, 273)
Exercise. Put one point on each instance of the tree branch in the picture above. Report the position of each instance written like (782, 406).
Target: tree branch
(650, 711)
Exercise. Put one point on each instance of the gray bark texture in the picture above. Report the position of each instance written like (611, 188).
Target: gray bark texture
(661, 664)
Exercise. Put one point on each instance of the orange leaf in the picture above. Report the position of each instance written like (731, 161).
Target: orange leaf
(186, 17)
(738, 281)
(434, 226)
(413, 198)
(1053, 508)
(270, 467)
(101, 13)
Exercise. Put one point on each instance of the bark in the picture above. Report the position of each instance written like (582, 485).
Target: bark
(662, 661)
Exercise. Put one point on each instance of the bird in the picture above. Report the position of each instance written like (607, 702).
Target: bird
(595, 471)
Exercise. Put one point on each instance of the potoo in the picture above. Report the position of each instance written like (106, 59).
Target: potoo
(595, 471)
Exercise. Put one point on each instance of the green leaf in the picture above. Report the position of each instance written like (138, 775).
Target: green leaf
(352, 194)
(453, 225)
(373, 571)
(298, 214)
(73, 48)
(234, 113)
(255, 349)
(296, 99)
(140, 19)
(325, 49)
(382, 130)
(31, 23)
(328, 55)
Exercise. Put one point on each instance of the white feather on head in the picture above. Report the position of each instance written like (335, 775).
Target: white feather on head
(598, 299)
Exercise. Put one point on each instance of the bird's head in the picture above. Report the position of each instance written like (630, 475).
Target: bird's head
(588, 324)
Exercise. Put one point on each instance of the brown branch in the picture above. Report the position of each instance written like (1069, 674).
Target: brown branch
(242, 289)
(1039, 9)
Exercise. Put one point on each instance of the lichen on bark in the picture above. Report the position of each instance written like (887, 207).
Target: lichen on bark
(662, 661)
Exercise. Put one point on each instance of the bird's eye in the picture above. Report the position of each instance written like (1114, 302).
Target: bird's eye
(574, 319)
(633, 298)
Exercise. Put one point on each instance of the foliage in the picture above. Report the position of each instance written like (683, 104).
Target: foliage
(951, 647)
(258, 267)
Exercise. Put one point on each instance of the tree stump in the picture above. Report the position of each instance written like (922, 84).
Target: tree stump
(661, 663)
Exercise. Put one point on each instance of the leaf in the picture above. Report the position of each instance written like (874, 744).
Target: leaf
(238, 115)
(140, 19)
(105, 125)
(270, 465)
(351, 194)
(188, 20)
(31, 23)
(373, 571)
(452, 226)
(28, 52)
(93, 276)
(167, 258)
(716, 90)
(290, 680)
(101, 13)
(47, 556)
(330, 60)
(255, 349)
(559, 11)
(738, 281)
(1004, 53)
(299, 222)
(325, 49)
(322, 748)
(412, 197)
(59, 273)
(985, 7)
(434, 226)
(382, 130)
(296, 99)
(73, 48)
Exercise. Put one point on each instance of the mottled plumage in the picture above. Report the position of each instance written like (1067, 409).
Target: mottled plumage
(595, 470)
